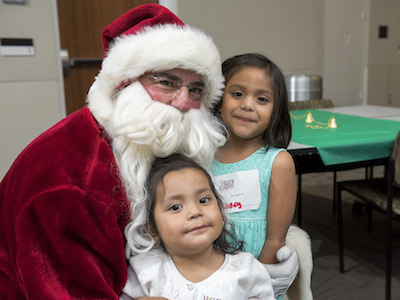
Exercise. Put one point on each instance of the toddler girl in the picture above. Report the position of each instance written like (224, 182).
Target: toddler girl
(192, 259)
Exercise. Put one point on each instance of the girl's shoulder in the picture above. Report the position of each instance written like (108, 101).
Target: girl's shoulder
(283, 164)
(272, 150)
(283, 158)
(269, 154)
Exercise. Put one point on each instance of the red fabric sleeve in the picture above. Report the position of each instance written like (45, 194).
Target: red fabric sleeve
(69, 248)
(63, 209)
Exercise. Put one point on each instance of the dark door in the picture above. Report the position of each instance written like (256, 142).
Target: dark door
(81, 23)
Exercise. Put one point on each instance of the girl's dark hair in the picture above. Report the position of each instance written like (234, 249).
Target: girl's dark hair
(279, 131)
(226, 242)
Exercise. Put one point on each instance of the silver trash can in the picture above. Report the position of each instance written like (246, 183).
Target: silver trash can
(304, 87)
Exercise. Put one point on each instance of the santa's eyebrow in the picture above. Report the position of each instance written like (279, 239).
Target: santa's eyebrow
(169, 76)
(174, 77)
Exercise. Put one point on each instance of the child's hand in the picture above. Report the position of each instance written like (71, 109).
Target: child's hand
(284, 272)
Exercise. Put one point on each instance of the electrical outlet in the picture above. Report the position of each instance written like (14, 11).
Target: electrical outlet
(383, 32)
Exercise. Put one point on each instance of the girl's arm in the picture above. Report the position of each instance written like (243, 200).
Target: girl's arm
(281, 205)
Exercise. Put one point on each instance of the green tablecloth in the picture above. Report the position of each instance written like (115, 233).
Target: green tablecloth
(355, 139)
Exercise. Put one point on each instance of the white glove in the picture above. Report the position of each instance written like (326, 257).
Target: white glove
(284, 272)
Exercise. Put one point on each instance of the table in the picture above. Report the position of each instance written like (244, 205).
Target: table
(314, 157)
(369, 111)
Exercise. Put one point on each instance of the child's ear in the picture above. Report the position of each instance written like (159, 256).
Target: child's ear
(152, 231)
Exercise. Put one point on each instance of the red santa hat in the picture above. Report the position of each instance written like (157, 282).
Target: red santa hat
(135, 20)
(151, 38)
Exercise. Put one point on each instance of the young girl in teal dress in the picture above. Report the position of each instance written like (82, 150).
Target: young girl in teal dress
(253, 171)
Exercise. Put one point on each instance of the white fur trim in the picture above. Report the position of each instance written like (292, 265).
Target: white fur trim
(301, 242)
(157, 48)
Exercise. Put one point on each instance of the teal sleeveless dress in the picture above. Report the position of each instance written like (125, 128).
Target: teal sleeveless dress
(250, 225)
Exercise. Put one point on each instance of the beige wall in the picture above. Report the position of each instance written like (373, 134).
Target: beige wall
(325, 38)
(336, 39)
(345, 52)
(384, 54)
(31, 93)
(288, 32)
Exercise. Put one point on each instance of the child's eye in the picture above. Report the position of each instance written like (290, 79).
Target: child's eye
(237, 94)
(175, 207)
(262, 99)
(205, 200)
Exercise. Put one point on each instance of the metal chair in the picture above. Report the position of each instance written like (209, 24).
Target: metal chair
(383, 195)
(309, 104)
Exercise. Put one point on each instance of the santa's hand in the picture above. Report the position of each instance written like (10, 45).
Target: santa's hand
(284, 272)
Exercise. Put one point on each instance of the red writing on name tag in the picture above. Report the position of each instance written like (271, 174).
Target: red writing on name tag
(233, 205)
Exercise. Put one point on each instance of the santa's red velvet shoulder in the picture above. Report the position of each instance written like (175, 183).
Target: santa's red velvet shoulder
(63, 209)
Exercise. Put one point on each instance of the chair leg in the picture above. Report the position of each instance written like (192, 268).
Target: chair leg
(369, 218)
(299, 200)
(334, 192)
(340, 229)
(388, 257)
(371, 172)
(389, 211)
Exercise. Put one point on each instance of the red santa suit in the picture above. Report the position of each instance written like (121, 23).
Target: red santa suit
(63, 209)
(63, 205)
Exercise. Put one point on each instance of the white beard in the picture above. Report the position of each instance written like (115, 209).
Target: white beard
(142, 129)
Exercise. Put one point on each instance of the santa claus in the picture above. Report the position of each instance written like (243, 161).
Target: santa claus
(69, 196)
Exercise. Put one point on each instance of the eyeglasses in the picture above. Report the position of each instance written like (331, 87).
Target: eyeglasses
(171, 86)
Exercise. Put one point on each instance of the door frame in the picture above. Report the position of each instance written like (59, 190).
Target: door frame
(60, 76)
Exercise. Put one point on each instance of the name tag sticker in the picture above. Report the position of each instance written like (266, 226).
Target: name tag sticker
(240, 190)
